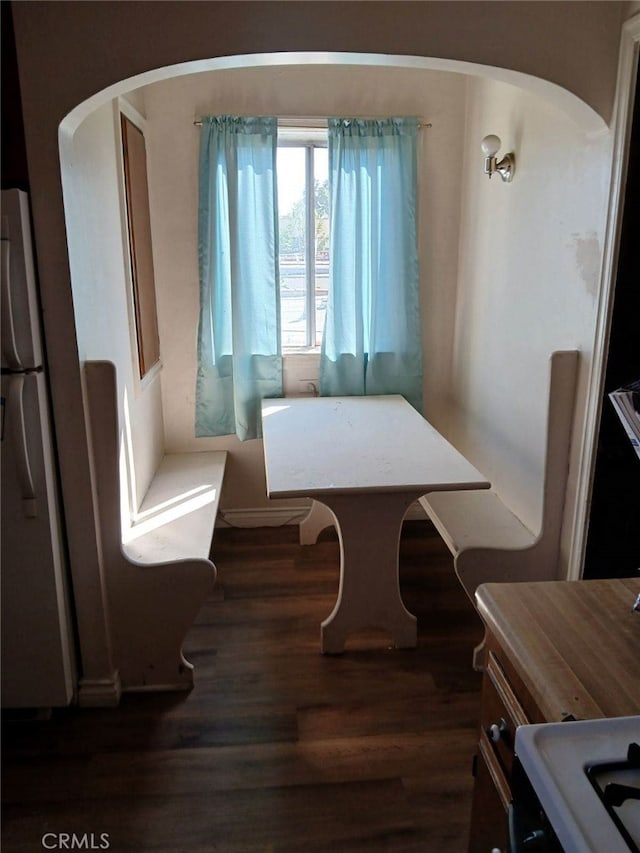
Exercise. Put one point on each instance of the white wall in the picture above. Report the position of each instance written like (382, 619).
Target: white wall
(101, 284)
(172, 145)
(530, 255)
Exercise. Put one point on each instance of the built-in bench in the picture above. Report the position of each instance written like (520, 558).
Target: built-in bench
(177, 516)
(488, 541)
(157, 570)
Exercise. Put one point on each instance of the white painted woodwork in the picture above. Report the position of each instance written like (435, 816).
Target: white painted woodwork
(177, 517)
(312, 525)
(368, 459)
(337, 445)
(488, 541)
(464, 522)
(152, 604)
(319, 517)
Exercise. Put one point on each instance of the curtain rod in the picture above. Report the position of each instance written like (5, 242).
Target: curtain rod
(318, 123)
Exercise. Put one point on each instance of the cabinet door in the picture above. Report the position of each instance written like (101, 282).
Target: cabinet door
(489, 811)
(501, 714)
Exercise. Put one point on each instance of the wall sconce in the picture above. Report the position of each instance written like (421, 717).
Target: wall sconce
(506, 167)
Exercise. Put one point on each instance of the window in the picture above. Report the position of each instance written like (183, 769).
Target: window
(303, 209)
(258, 303)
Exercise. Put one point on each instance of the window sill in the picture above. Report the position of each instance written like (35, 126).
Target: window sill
(289, 351)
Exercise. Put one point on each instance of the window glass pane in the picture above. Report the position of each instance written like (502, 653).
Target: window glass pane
(321, 180)
(304, 272)
(291, 210)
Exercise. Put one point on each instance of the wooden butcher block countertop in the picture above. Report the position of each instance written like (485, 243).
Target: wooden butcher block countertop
(575, 644)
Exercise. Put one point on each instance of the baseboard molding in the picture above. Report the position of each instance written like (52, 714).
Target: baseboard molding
(262, 516)
(280, 516)
(178, 687)
(99, 692)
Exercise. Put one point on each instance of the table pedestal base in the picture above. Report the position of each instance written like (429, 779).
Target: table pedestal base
(369, 528)
(317, 519)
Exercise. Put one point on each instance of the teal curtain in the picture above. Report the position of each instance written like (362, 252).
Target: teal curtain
(239, 354)
(372, 338)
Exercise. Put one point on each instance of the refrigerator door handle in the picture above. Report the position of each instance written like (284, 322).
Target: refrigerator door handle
(10, 355)
(16, 423)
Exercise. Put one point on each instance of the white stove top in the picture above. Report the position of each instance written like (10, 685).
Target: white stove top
(554, 757)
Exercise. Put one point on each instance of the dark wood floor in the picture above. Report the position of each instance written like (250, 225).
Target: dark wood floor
(277, 748)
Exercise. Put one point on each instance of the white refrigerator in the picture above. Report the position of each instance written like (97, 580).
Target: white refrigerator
(38, 659)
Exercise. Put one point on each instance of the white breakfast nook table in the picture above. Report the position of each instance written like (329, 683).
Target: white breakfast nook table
(368, 459)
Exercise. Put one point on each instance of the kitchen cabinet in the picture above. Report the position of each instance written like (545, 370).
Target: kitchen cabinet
(553, 651)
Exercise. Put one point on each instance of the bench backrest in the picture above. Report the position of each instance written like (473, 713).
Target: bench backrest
(562, 388)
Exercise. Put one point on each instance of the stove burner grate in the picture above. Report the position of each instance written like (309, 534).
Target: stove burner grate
(614, 794)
